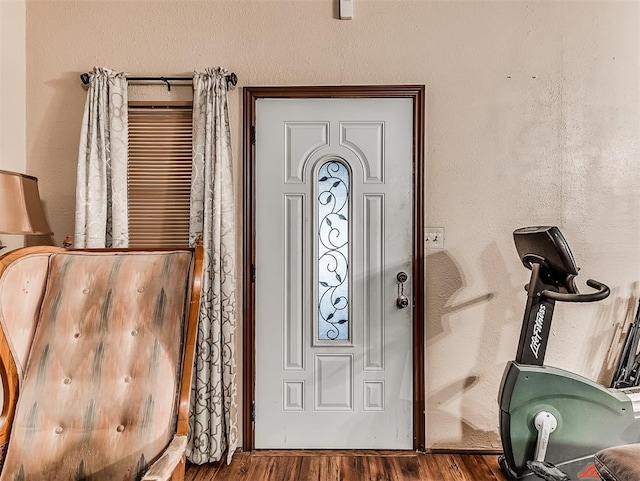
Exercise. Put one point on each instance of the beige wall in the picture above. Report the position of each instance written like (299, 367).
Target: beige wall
(12, 96)
(532, 118)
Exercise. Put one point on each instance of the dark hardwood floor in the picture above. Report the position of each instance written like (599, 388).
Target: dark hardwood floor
(349, 466)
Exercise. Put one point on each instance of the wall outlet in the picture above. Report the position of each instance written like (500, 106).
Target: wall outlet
(434, 237)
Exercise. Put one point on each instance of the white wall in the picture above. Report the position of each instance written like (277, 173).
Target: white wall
(12, 96)
(532, 118)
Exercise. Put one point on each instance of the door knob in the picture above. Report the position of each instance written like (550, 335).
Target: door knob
(402, 301)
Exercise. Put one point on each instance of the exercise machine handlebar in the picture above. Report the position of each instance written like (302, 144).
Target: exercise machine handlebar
(545, 251)
(602, 292)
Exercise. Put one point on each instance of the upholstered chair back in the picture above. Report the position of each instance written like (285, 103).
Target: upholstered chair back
(96, 344)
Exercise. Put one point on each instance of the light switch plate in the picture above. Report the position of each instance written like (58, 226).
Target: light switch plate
(346, 9)
(434, 237)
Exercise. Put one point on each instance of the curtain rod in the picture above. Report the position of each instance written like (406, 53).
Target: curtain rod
(232, 79)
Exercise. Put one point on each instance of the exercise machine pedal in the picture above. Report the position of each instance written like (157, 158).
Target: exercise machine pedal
(547, 471)
(506, 470)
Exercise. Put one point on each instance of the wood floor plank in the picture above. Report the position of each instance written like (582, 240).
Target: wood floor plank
(255, 469)
(351, 467)
(445, 468)
(330, 468)
(373, 469)
(428, 468)
(285, 469)
(456, 468)
(392, 469)
(345, 466)
(478, 465)
(310, 468)
(408, 468)
(206, 472)
(494, 465)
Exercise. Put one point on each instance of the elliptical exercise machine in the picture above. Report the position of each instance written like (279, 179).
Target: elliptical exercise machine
(553, 421)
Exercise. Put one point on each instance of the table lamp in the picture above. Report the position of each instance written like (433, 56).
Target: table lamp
(20, 207)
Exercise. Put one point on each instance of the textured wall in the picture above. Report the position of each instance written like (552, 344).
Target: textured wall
(13, 71)
(532, 118)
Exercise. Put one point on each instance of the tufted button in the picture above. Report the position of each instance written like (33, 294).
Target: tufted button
(59, 430)
(141, 289)
(76, 335)
(120, 428)
(134, 332)
(67, 380)
(85, 290)
(127, 379)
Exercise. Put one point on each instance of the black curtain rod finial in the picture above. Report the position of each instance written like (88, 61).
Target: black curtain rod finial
(232, 79)
(84, 77)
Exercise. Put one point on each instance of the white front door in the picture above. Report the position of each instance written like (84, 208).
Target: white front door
(334, 228)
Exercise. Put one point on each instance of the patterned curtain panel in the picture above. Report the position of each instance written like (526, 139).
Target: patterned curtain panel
(214, 411)
(101, 189)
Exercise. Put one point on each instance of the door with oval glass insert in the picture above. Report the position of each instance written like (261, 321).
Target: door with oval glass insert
(334, 196)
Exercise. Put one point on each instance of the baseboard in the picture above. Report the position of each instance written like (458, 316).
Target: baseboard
(472, 452)
(275, 453)
(369, 452)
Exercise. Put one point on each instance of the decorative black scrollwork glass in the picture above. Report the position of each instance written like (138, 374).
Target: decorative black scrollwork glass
(333, 251)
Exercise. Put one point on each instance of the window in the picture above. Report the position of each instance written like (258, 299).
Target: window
(159, 173)
(332, 204)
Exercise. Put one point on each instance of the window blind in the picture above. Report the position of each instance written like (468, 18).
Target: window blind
(159, 174)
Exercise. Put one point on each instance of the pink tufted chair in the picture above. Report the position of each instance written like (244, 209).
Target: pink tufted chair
(96, 351)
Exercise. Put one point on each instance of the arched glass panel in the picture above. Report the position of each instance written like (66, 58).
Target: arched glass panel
(333, 251)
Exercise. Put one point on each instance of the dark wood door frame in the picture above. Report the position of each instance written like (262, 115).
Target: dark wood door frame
(250, 95)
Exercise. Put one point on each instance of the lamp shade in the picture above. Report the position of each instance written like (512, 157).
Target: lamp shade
(20, 206)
